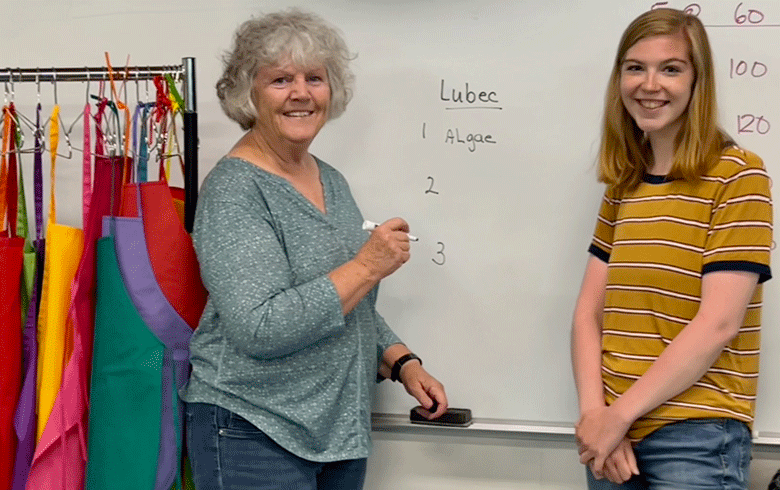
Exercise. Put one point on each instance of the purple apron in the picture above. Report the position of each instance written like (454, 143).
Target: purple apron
(166, 324)
(24, 420)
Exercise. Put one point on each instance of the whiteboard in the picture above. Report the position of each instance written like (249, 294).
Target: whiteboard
(478, 122)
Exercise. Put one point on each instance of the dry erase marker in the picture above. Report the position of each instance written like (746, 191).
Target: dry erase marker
(370, 225)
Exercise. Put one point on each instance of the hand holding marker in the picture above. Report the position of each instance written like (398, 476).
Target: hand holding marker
(370, 225)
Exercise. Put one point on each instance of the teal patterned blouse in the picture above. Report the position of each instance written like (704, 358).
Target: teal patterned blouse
(273, 344)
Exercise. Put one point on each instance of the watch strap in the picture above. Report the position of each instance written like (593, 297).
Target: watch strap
(395, 374)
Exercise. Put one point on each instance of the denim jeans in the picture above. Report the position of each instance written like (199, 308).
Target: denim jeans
(700, 454)
(229, 453)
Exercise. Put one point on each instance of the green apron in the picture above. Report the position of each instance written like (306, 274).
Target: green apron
(127, 356)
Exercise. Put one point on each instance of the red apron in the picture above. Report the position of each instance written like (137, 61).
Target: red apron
(11, 264)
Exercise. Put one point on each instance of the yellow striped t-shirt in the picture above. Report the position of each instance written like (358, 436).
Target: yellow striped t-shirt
(659, 239)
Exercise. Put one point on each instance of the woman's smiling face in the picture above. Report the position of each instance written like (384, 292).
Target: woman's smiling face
(292, 103)
(656, 82)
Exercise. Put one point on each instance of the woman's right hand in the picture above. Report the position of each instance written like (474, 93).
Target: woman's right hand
(386, 250)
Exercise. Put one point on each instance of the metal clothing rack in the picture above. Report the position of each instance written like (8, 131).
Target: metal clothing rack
(186, 70)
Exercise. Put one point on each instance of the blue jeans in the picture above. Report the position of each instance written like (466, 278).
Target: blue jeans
(229, 453)
(696, 454)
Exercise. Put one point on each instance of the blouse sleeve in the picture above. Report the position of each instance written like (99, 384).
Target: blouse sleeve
(385, 336)
(250, 283)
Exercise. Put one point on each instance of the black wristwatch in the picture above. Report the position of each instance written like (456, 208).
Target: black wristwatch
(395, 374)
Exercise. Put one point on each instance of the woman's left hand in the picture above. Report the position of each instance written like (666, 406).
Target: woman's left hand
(598, 433)
(425, 388)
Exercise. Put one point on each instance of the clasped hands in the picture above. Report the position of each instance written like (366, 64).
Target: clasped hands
(603, 445)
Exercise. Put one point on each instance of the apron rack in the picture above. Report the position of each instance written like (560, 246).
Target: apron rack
(185, 71)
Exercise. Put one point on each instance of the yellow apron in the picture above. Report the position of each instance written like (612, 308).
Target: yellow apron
(64, 245)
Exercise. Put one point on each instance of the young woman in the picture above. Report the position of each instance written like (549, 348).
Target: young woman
(665, 336)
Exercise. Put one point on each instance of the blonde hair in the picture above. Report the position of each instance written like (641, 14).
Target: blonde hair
(302, 37)
(625, 153)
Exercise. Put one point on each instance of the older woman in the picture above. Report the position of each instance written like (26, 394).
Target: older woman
(290, 342)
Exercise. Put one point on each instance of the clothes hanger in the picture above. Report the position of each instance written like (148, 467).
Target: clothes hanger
(120, 105)
(64, 131)
(38, 131)
(141, 146)
(140, 119)
(177, 105)
(6, 92)
(174, 149)
(110, 126)
(177, 99)
(23, 121)
(20, 121)
(158, 128)
(78, 119)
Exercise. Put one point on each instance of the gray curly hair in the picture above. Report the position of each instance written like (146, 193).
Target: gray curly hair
(302, 37)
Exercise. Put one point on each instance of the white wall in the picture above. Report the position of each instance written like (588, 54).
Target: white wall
(436, 462)
(444, 463)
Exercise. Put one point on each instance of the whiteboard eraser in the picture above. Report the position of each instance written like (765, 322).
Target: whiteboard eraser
(453, 417)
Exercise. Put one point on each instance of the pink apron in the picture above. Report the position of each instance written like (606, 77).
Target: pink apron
(61, 454)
